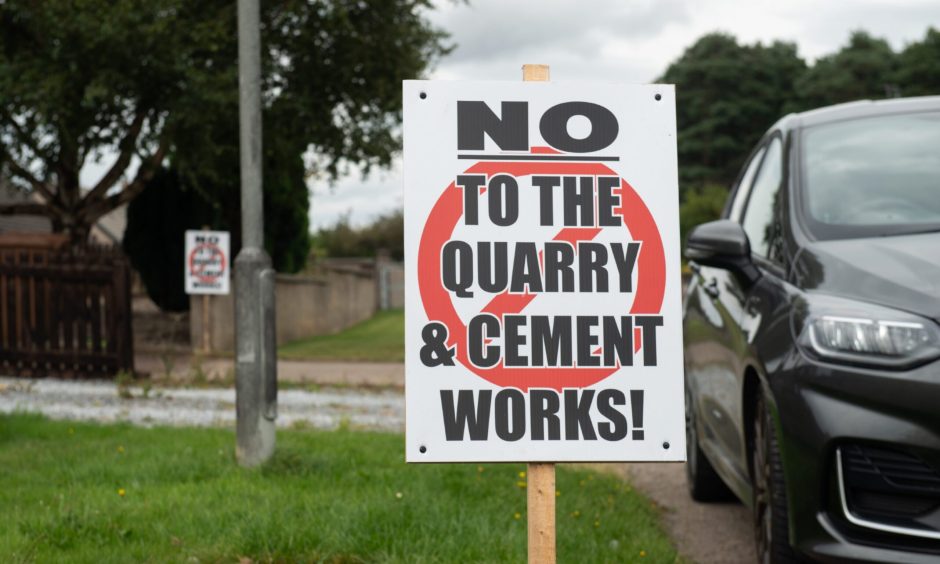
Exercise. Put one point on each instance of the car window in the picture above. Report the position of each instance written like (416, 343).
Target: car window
(760, 211)
(873, 176)
(740, 195)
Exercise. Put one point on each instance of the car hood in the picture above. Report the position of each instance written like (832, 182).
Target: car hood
(898, 271)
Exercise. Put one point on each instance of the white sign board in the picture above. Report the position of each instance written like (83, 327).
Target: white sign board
(207, 262)
(543, 316)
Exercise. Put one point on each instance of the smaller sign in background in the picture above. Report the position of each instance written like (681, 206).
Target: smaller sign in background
(207, 263)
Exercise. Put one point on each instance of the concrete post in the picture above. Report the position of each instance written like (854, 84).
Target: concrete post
(269, 346)
(254, 296)
(382, 258)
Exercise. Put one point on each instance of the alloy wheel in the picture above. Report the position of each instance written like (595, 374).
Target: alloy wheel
(763, 484)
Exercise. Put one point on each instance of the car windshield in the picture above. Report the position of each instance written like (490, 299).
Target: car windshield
(872, 176)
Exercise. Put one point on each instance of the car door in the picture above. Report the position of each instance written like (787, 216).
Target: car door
(717, 341)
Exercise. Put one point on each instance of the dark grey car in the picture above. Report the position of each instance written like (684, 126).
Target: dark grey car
(812, 337)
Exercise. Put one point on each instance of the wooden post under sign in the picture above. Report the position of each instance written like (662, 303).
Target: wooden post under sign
(540, 476)
(206, 337)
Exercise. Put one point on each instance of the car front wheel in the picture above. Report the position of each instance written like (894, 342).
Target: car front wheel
(771, 526)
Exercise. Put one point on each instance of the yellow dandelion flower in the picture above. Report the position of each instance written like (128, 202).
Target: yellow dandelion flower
(522, 475)
(557, 493)
(120, 450)
(521, 484)
(121, 492)
(517, 516)
(479, 469)
(642, 554)
(597, 523)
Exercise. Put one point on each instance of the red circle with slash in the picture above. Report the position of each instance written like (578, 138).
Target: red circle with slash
(438, 304)
(216, 259)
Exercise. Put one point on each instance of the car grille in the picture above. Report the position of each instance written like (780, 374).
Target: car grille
(888, 487)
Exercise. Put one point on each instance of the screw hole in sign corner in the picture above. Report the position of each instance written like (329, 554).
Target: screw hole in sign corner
(423, 449)
(658, 97)
(666, 445)
(423, 95)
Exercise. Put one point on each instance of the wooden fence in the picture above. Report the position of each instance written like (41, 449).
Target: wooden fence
(63, 312)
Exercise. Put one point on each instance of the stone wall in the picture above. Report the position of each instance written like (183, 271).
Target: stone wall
(307, 305)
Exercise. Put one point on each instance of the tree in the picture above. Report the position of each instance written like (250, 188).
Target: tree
(154, 241)
(919, 66)
(172, 203)
(108, 76)
(286, 205)
(865, 68)
(155, 82)
(727, 96)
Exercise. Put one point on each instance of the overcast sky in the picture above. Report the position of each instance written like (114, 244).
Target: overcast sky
(630, 41)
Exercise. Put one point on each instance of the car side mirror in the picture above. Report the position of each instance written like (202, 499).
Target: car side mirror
(723, 244)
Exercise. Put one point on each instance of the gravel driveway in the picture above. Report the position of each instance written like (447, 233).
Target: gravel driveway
(100, 401)
(705, 533)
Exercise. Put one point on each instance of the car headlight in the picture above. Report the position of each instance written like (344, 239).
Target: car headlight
(853, 332)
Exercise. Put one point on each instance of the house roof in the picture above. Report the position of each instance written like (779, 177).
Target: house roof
(10, 194)
(108, 229)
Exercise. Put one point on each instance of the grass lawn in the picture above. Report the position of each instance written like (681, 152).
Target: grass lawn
(380, 339)
(74, 492)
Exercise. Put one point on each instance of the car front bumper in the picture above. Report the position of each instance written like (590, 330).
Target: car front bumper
(822, 409)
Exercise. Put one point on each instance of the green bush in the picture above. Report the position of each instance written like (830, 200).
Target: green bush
(387, 232)
(701, 206)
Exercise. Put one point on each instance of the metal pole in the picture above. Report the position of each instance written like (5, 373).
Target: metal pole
(254, 301)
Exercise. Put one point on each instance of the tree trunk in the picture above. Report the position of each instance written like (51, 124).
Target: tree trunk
(77, 231)
(70, 221)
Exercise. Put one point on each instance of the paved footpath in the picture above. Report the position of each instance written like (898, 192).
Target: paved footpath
(182, 368)
(710, 533)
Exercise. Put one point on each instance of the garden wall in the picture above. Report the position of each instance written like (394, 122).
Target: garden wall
(307, 305)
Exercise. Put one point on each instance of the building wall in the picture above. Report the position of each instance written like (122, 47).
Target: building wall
(20, 223)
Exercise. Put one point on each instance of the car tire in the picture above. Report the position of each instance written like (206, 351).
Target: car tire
(704, 483)
(771, 524)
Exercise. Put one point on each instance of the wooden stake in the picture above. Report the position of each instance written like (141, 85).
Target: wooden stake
(540, 476)
(535, 73)
(206, 337)
(206, 342)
